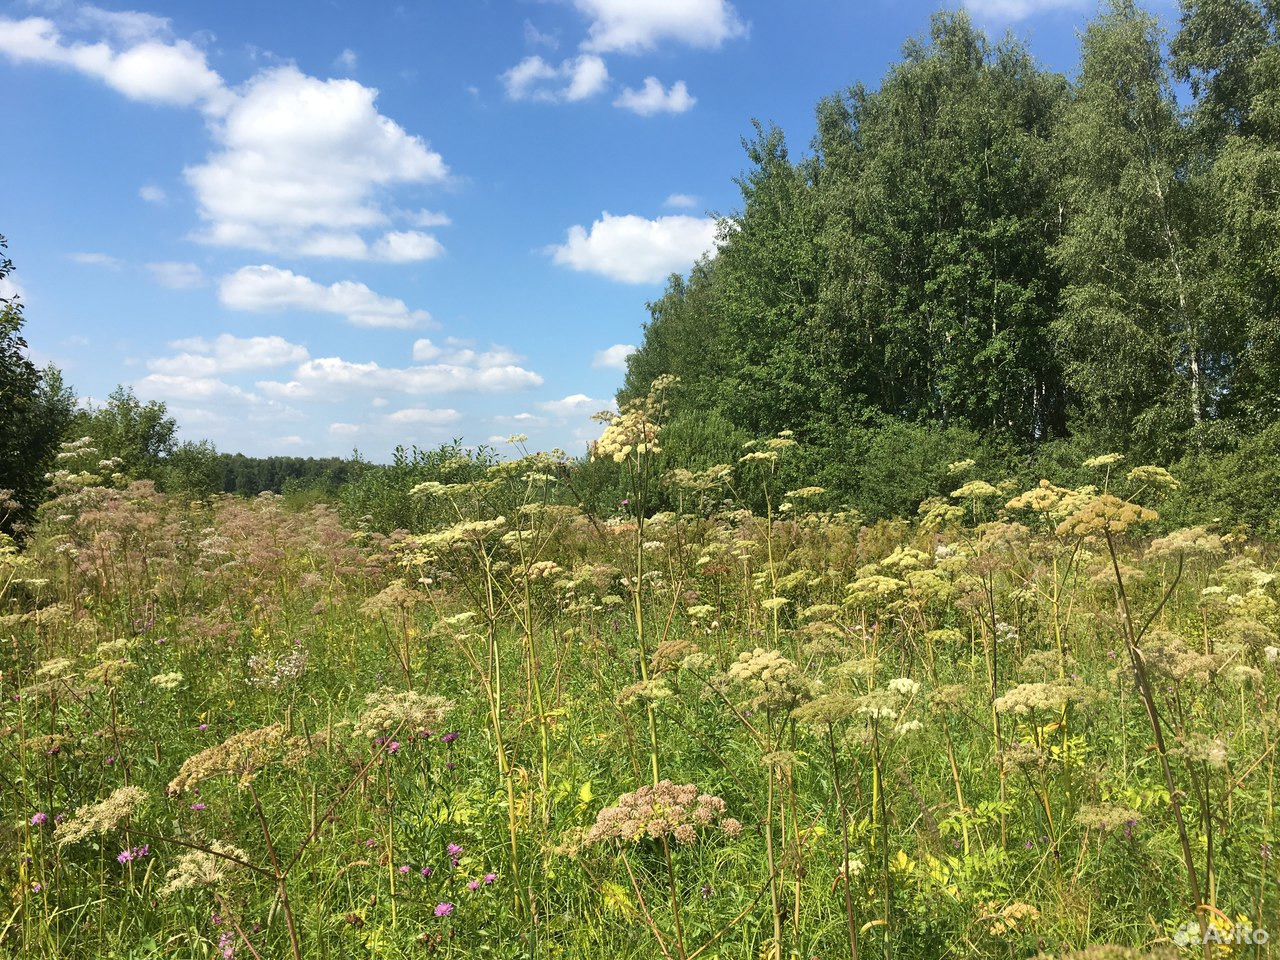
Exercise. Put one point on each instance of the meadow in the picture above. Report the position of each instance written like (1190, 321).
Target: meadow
(1019, 722)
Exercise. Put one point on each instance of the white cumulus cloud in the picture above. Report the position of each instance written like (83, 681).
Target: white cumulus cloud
(406, 246)
(577, 403)
(632, 249)
(653, 98)
(459, 352)
(524, 419)
(141, 63)
(613, 358)
(200, 357)
(1005, 10)
(452, 370)
(632, 26)
(424, 416)
(191, 388)
(573, 80)
(264, 287)
(300, 168)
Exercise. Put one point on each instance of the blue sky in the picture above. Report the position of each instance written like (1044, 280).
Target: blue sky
(313, 227)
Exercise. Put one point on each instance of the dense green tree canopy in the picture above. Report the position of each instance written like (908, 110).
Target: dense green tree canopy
(980, 245)
(35, 408)
(139, 435)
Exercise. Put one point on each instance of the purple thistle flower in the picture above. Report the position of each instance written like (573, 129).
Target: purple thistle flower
(426, 872)
(199, 807)
(449, 738)
(405, 869)
(39, 819)
(473, 886)
(134, 853)
(490, 879)
(444, 909)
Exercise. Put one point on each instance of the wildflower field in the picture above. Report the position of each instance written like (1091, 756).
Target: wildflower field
(1018, 722)
(914, 598)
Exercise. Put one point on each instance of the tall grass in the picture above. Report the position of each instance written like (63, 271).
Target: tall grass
(1016, 722)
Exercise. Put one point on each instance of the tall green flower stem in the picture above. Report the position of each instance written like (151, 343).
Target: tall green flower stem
(535, 682)
(280, 874)
(489, 673)
(492, 683)
(681, 952)
(846, 870)
(767, 459)
(631, 439)
(1132, 635)
(880, 825)
(771, 857)
(638, 474)
(990, 637)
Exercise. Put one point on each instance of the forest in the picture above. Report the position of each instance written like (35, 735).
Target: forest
(985, 258)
